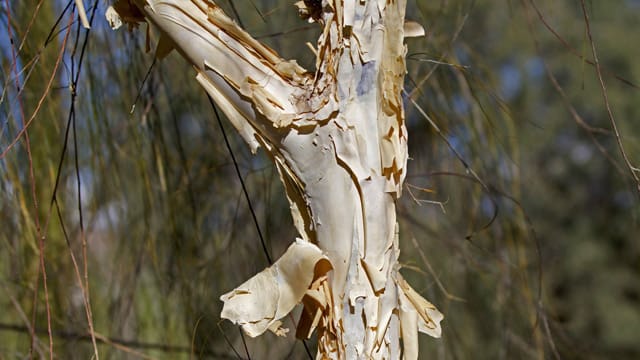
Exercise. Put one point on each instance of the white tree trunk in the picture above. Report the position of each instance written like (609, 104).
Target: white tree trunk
(339, 142)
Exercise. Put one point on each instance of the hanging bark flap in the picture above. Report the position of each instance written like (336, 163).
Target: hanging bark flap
(427, 315)
(259, 303)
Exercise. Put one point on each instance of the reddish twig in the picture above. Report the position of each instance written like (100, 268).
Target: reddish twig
(25, 126)
(32, 181)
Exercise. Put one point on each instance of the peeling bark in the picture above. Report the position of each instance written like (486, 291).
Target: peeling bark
(339, 142)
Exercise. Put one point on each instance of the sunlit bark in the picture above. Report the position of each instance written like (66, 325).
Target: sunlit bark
(339, 142)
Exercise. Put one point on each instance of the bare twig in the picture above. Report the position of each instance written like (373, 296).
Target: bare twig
(571, 49)
(125, 345)
(579, 120)
(25, 126)
(433, 273)
(632, 169)
(32, 181)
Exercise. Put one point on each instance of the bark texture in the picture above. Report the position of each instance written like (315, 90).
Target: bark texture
(338, 139)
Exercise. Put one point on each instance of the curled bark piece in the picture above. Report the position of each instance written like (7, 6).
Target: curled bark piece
(413, 29)
(259, 303)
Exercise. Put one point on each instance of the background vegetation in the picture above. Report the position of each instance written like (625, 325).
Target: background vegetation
(519, 219)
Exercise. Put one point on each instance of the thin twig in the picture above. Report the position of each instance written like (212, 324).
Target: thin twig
(244, 187)
(418, 88)
(446, 140)
(23, 316)
(32, 181)
(632, 169)
(25, 126)
(119, 343)
(426, 262)
(577, 118)
(226, 338)
(571, 49)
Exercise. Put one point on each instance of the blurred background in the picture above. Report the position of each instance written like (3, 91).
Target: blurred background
(519, 220)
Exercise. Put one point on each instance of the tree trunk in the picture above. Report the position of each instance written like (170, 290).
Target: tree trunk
(339, 142)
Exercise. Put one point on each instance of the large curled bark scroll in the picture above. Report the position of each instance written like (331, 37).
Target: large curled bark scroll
(338, 139)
